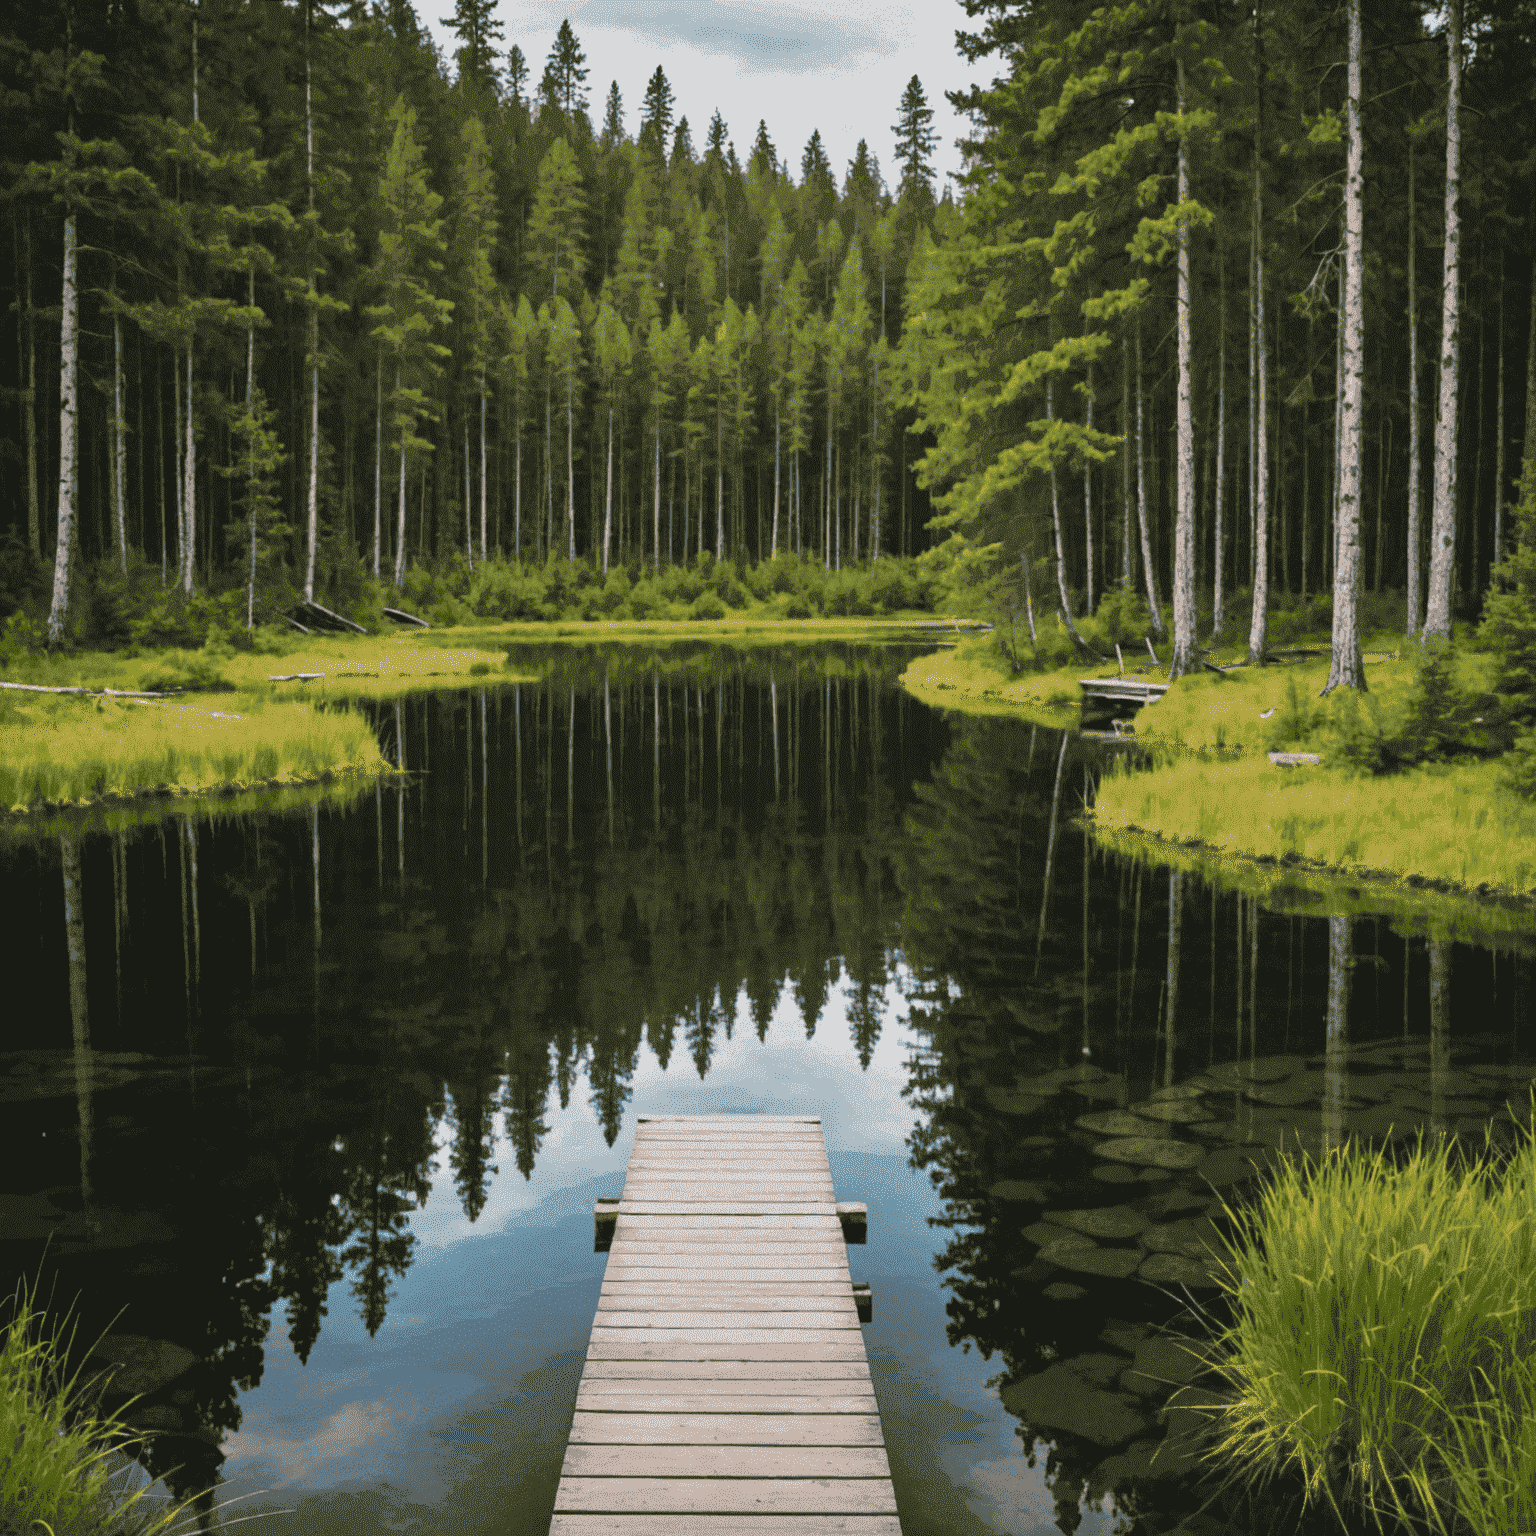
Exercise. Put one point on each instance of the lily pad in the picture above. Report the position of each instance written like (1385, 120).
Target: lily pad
(1030, 1190)
(1153, 1175)
(1174, 1269)
(1014, 1101)
(1058, 1398)
(1063, 1290)
(1192, 1239)
(1150, 1150)
(1173, 1111)
(1264, 1069)
(1114, 1173)
(1063, 1077)
(1228, 1165)
(1160, 1363)
(1304, 1088)
(1111, 1221)
(1118, 1122)
(1189, 1090)
(1071, 1250)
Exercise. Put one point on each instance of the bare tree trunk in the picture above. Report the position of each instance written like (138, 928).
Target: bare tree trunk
(1528, 442)
(1341, 960)
(570, 470)
(1088, 499)
(656, 501)
(469, 503)
(1442, 535)
(80, 1020)
(1348, 669)
(1061, 562)
(1498, 451)
(400, 522)
(29, 406)
(1415, 451)
(313, 518)
(483, 506)
(69, 361)
(1149, 574)
(874, 442)
(773, 542)
(1258, 628)
(1218, 595)
(1125, 462)
(250, 386)
(119, 444)
(189, 490)
(1183, 658)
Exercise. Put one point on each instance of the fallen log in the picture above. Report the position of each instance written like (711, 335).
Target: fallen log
(86, 693)
(400, 616)
(333, 618)
(293, 677)
(303, 629)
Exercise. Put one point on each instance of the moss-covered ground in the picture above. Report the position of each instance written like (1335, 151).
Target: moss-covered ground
(1212, 799)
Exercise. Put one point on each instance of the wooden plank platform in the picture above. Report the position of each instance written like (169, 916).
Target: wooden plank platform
(1120, 690)
(726, 1386)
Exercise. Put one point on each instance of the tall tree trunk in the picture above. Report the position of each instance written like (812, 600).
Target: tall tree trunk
(1348, 668)
(608, 498)
(1442, 533)
(1061, 561)
(79, 1012)
(874, 437)
(1258, 628)
(29, 403)
(719, 480)
(469, 503)
(1088, 501)
(312, 523)
(378, 461)
(773, 551)
(1498, 451)
(1341, 961)
(1175, 946)
(1528, 441)
(1149, 574)
(656, 499)
(1183, 658)
(189, 491)
(69, 362)
(483, 507)
(570, 469)
(1125, 461)
(1218, 594)
(250, 411)
(400, 521)
(119, 444)
(1415, 580)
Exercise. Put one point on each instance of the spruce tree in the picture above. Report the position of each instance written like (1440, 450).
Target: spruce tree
(555, 227)
(565, 73)
(764, 157)
(613, 118)
(478, 29)
(915, 142)
(656, 114)
(517, 74)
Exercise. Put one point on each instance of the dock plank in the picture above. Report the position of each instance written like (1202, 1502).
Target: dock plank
(726, 1387)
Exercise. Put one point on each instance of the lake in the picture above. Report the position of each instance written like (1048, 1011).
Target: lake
(310, 1107)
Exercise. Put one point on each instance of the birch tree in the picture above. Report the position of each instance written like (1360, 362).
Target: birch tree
(1348, 669)
(1183, 658)
(1442, 530)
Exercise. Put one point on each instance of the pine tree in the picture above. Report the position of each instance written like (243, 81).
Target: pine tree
(815, 168)
(517, 74)
(478, 29)
(915, 142)
(656, 114)
(613, 118)
(682, 148)
(764, 157)
(565, 73)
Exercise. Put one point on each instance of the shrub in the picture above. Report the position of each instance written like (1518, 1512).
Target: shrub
(707, 606)
(1123, 616)
(21, 637)
(1296, 719)
(799, 608)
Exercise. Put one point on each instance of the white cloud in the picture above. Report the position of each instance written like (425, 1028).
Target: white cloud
(798, 66)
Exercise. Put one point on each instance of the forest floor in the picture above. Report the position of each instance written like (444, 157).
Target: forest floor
(1425, 839)
(276, 717)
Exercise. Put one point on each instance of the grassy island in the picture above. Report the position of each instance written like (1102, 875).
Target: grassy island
(1210, 793)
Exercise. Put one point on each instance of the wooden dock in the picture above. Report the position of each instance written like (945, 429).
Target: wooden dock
(1119, 690)
(726, 1386)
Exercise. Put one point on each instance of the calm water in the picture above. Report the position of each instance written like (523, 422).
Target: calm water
(321, 1101)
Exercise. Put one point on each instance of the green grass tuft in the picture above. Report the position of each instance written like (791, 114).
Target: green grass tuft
(1383, 1320)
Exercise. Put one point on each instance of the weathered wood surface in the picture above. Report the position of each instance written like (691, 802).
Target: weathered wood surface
(726, 1385)
(1120, 689)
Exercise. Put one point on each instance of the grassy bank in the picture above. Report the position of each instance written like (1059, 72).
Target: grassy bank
(1381, 1333)
(1448, 828)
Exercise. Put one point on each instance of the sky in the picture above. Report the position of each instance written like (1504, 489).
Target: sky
(837, 65)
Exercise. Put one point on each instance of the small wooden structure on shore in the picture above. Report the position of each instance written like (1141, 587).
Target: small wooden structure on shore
(726, 1386)
(1119, 690)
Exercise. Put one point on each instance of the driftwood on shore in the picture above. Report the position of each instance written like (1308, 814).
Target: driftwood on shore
(335, 620)
(90, 693)
(400, 616)
(303, 629)
(293, 677)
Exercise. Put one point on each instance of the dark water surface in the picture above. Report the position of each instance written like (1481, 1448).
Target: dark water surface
(321, 1102)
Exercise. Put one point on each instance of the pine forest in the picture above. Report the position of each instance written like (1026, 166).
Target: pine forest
(1230, 312)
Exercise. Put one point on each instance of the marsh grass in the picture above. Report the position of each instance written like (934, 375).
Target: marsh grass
(63, 750)
(1383, 1313)
(62, 1471)
(973, 677)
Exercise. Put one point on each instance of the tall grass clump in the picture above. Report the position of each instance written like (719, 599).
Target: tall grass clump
(1383, 1315)
(60, 1455)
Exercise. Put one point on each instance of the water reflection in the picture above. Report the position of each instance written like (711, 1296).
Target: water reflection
(696, 879)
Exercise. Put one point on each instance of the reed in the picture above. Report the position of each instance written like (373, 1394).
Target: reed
(62, 1455)
(1383, 1314)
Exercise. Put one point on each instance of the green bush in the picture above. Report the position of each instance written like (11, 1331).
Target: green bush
(707, 606)
(1123, 617)
(1442, 721)
(799, 607)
